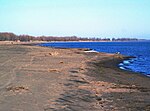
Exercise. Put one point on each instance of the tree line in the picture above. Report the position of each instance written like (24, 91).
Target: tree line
(5, 36)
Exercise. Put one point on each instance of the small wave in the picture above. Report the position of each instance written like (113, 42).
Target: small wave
(122, 68)
(91, 51)
(121, 64)
(148, 75)
(126, 62)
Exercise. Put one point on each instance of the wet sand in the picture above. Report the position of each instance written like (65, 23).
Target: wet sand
(34, 78)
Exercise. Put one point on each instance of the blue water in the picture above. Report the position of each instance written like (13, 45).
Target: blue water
(141, 50)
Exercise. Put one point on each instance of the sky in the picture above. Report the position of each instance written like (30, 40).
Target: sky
(83, 18)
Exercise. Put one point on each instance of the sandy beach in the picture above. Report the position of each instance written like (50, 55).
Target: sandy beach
(34, 78)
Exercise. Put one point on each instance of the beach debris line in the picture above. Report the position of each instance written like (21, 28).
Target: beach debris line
(17, 89)
(61, 62)
(53, 53)
(53, 70)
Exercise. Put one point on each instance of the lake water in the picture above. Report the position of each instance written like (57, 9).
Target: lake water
(141, 50)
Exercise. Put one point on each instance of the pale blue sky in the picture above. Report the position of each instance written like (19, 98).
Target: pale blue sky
(84, 18)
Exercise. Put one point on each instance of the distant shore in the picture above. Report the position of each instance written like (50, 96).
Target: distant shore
(38, 42)
(40, 78)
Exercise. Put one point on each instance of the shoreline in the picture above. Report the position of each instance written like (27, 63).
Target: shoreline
(88, 50)
(131, 89)
(91, 50)
(69, 79)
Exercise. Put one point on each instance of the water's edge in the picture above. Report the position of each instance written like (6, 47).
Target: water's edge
(121, 64)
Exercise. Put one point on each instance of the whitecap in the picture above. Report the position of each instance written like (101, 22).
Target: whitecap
(126, 62)
(122, 68)
(121, 64)
(91, 51)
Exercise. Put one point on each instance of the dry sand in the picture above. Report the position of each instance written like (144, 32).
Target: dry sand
(34, 78)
